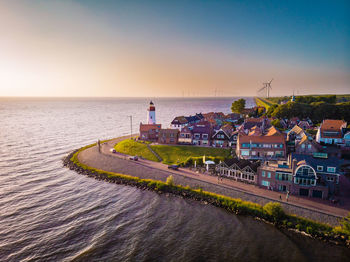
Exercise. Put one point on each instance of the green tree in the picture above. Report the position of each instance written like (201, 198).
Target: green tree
(271, 110)
(238, 106)
(323, 110)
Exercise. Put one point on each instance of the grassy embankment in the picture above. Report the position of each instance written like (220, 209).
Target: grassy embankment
(271, 212)
(263, 102)
(170, 154)
(179, 154)
(134, 148)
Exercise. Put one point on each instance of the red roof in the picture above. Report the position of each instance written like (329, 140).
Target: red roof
(332, 125)
(147, 127)
(272, 136)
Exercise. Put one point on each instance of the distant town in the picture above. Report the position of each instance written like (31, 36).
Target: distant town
(292, 155)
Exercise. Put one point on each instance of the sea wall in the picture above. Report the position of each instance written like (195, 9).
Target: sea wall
(276, 216)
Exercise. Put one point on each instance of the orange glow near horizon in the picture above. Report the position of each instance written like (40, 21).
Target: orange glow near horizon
(74, 55)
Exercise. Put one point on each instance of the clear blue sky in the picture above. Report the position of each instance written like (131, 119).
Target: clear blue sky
(168, 47)
(314, 31)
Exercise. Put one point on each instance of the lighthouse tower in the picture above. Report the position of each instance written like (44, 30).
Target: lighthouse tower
(151, 116)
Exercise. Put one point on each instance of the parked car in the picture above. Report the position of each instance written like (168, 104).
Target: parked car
(173, 167)
(135, 158)
(113, 150)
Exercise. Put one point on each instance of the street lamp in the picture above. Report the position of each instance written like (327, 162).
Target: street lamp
(130, 126)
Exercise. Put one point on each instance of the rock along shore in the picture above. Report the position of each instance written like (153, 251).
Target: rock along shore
(103, 175)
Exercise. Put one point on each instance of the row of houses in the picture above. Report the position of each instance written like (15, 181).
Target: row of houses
(254, 139)
(311, 175)
(290, 161)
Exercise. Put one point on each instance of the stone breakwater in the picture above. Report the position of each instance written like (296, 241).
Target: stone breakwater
(337, 239)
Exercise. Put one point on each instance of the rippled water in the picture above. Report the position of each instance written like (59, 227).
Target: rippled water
(49, 213)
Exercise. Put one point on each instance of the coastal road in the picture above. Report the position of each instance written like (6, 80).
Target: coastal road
(321, 210)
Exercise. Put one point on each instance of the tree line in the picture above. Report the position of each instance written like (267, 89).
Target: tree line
(316, 111)
(317, 108)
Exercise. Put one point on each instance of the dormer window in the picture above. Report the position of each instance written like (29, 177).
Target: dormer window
(330, 169)
(319, 168)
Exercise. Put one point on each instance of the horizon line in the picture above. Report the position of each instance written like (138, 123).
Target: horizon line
(103, 97)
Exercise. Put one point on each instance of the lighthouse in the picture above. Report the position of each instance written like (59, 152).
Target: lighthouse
(151, 117)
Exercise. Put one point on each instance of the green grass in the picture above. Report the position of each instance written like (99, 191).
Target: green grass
(263, 102)
(179, 154)
(134, 148)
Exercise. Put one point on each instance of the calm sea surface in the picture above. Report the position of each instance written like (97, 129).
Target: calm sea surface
(49, 213)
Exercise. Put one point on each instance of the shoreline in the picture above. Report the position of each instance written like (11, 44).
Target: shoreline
(238, 206)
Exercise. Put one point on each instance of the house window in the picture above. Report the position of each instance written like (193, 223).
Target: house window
(245, 152)
(253, 153)
(205, 136)
(265, 183)
(309, 146)
(268, 174)
(263, 173)
(319, 168)
(330, 169)
(303, 146)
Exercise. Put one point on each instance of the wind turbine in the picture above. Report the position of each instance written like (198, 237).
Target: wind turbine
(268, 87)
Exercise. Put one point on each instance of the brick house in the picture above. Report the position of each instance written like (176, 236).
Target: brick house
(249, 123)
(258, 145)
(306, 146)
(331, 132)
(233, 138)
(302, 175)
(221, 137)
(179, 122)
(201, 133)
(168, 136)
(185, 136)
(150, 132)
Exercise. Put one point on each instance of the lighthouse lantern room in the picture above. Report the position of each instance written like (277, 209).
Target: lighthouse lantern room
(151, 117)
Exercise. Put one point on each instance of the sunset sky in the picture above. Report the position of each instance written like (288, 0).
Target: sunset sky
(170, 48)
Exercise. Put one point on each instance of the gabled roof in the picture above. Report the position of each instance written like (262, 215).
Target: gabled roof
(306, 139)
(272, 131)
(332, 125)
(201, 128)
(273, 136)
(179, 120)
(228, 129)
(147, 127)
(251, 122)
(255, 131)
(297, 130)
(242, 163)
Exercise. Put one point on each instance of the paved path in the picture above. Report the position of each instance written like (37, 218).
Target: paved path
(320, 210)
